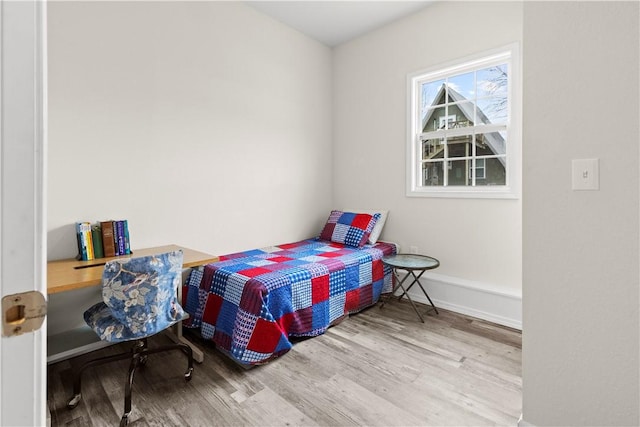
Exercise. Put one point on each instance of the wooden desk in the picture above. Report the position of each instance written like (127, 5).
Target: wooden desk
(71, 274)
(68, 274)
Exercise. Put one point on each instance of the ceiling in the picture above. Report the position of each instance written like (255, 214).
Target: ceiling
(335, 22)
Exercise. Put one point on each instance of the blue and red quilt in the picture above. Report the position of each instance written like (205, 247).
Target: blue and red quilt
(250, 303)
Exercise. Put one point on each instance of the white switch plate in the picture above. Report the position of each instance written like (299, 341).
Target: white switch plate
(585, 174)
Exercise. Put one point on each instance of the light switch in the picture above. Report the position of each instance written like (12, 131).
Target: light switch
(585, 174)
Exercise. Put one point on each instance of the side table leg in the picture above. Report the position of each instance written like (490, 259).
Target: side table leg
(404, 293)
(427, 295)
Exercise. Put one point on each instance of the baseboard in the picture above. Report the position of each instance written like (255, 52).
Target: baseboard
(523, 423)
(481, 300)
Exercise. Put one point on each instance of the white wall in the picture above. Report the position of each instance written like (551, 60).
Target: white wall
(581, 258)
(477, 241)
(204, 124)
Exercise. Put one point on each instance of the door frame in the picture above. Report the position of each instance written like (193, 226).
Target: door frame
(23, 136)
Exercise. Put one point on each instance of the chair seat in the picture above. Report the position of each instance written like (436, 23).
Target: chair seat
(99, 317)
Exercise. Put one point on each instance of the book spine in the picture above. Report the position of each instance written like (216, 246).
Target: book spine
(96, 237)
(121, 248)
(116, 236)
(107, 238)
(82, 249)
(88, 240)
(127, 243)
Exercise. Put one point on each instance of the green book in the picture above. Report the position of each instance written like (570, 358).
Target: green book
(96, 236)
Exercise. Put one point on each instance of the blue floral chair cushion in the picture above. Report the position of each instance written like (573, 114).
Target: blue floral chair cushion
(139, 297)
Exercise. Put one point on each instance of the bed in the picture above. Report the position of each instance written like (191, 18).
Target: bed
(251, 303)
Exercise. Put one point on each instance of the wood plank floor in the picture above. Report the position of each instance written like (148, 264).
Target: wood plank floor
(381, 367)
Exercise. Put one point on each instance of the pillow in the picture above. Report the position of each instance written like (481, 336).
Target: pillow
(377, 229)
(349, 228)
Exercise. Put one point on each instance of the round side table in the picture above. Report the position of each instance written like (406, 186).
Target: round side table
(411, 263)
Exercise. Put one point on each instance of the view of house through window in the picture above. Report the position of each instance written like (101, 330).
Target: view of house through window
(460, 127)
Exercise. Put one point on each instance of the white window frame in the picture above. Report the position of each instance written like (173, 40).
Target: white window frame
(511, 190)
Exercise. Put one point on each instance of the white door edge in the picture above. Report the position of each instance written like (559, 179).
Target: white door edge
(23, 170)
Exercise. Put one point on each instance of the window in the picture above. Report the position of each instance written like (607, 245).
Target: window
(464, 137)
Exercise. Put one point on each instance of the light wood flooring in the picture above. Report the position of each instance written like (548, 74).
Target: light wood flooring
(381, 367)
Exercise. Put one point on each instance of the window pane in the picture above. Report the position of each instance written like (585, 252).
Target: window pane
(492, 110)
(491, 144)
(460, 146)
(458, 172)
(494, 172)
(432, 174)
(428, 93)
(480, 169)
(464, 115)
(461, 87)
(433, 149)
(493, 81)
(433, 119)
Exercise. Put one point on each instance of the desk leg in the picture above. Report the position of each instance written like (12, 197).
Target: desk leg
(175, 333)
(176, 336)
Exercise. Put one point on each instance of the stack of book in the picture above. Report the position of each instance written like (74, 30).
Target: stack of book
(103, 239)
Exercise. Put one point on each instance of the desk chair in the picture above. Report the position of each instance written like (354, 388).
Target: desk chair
(139, 300)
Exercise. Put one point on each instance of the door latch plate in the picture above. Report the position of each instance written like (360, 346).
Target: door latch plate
(24, 312)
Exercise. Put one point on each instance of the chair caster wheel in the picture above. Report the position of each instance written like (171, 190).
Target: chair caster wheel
(124, 421)
(189, 374)
(73, 402)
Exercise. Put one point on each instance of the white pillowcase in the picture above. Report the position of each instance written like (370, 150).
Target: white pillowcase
(377, 229)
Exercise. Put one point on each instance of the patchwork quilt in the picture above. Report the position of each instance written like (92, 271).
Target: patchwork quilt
(250, 303)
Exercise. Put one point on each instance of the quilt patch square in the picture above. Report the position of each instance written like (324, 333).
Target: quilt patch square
(253, 272)
(212, 309)
(320, 289)
(377, 269)
(352, 277)
(364, 273)
(264, 337)
(337, 306)
(366, 296)
(320, 315)
(352, 301)
(302, 321)
(301, 293)
(233, 290)
(337, 283)
(207, 330)
(226, 318)
(280, 258)
(261, 262)
(243, 328)
(313, 258)
(248, 302)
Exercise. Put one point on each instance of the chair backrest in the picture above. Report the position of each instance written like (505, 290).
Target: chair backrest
(141, 292)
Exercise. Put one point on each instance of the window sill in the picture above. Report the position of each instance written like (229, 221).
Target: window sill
(465, 193)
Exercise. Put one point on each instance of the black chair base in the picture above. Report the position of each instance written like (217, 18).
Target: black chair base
(138, 355)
